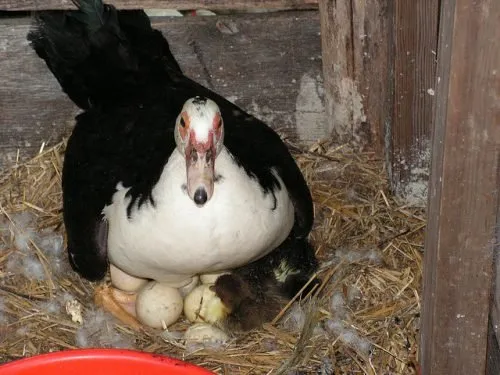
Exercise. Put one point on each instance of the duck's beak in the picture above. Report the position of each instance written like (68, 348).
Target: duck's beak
(200, 160)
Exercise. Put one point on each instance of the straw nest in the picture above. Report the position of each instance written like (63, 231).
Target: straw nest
(364, 318)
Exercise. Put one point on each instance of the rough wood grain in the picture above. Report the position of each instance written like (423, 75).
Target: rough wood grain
(379, 68)
(464, 191)
(496, 301)
(271, 67)
(356, 45)
(493, 351)
(415, 42)
(23, 5)
(493, 363)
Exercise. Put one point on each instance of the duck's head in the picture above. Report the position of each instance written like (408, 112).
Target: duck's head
(199, 135)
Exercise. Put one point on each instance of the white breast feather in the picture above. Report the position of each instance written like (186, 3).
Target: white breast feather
(175, 239)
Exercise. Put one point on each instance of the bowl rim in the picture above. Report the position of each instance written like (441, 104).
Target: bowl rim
(103, 353)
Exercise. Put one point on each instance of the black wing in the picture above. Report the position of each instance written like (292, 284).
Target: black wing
(116, 67)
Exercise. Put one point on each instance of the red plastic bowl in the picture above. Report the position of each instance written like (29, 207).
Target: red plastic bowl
(100, 362)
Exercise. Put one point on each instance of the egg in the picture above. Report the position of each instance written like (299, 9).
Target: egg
(124, 281)
(201, 333)
(203, 305)
(158, 305)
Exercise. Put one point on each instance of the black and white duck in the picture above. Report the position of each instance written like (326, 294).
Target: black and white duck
(167, 184)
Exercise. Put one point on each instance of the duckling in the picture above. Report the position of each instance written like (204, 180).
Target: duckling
(251, 295)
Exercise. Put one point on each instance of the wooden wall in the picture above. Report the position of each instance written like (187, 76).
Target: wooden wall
(379, 64)
(356, 43)
(29, 5)
(493, 360)
(269, 64)
(380, 60)
(415, 36)
(391, 89)
(464, 192)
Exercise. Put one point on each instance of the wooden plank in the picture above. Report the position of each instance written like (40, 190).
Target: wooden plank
(493, 362)
(493, 351)
(464, 190)
(271, 67)
(379, 68)
(356, 56)
(415, 42)
(496, 300)
(27, 5)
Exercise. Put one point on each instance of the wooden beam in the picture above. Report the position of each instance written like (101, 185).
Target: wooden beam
(415, 45)
(464, 190)
(493, 361)
(270, 65)
(493, 351)
(355, 37)
(28, 5)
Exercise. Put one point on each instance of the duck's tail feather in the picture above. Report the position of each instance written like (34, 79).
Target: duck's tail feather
(101, 55)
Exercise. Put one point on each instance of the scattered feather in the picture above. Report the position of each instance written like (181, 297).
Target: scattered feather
(4, 319)
(51, 307)
(295, 318)
(25, 264)
(98, 330)
(22, 226)
(349, 336)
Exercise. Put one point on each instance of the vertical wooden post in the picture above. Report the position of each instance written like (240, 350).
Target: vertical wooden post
(493, 358)
(415, 49)
(355, 36)
(463, 191)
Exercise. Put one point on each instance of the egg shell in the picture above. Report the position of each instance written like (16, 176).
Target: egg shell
(203, 333)
(193, 302)
(203, 305)
(158, 304)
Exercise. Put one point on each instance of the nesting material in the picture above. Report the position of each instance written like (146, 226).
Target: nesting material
(363, 319)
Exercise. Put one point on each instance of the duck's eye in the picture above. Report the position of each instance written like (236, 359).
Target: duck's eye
(183, 123)
(217, 122)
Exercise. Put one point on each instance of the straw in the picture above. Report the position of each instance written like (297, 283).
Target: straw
(369, 245)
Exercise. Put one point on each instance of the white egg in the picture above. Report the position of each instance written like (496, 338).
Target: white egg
(200, 333)
(203, 305)
(124, 281)
(158, 305)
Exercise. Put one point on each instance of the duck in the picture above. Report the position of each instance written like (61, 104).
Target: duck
(182, 200)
